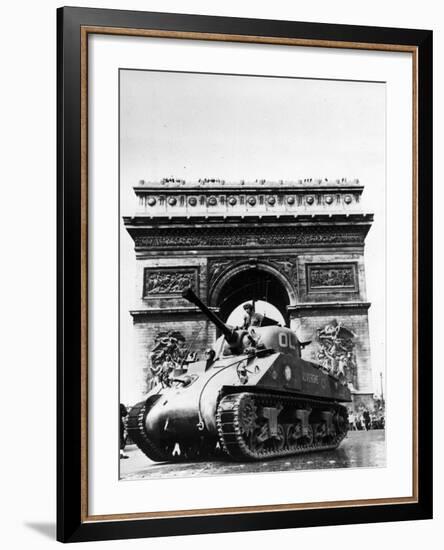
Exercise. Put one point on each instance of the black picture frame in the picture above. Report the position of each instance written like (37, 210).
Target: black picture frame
(73, 523)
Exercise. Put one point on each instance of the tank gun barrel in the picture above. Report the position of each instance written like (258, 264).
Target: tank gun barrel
(229, 333)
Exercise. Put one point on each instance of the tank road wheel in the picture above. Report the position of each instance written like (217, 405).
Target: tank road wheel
(278, 442)
(256, 439)
(294, 433)
(241, 434)
(297, 440)
(259, 439)
(309, 438)
(319, 432)
(261, 426)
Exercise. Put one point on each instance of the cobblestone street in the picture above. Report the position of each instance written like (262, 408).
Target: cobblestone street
(360, 449)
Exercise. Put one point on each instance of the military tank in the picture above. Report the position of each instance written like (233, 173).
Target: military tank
(252, 398)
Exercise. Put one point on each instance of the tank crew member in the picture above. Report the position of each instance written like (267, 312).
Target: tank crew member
(251, 318)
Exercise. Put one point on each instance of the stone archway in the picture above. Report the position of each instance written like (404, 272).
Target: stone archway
(248, 281)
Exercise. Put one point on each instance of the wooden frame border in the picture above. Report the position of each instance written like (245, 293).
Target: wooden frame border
(74, 26)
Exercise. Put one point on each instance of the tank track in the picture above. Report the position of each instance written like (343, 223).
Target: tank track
(136, 430)
(232, 436)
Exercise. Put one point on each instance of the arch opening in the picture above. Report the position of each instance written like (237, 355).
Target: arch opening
(236, 317)
(252, 283)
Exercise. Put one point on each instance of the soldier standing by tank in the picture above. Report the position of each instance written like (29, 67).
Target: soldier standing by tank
(123, 414)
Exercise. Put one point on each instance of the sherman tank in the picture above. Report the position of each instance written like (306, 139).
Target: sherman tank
(252, 398)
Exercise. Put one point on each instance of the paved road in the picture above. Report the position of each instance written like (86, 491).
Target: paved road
(359, 449)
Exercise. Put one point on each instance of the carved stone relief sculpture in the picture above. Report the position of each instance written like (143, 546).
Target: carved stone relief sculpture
(336, 351)
(168, 281)
(331, 276)
(169, 352)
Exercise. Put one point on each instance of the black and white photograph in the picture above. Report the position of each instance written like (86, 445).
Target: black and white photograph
(229, 215)
(252, 266)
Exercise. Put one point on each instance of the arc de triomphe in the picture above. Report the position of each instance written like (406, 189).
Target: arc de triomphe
(300, 244)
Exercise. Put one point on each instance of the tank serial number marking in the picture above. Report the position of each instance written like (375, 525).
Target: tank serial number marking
(309, 377)
(285, 341)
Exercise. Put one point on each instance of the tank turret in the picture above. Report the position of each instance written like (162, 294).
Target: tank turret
(253, 398)
(238, 341)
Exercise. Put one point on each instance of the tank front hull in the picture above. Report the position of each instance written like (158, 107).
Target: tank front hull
(190, 412)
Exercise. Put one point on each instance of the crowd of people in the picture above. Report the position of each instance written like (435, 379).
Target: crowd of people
(366, 420)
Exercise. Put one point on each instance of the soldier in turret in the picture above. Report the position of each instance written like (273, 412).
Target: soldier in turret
(251, 317)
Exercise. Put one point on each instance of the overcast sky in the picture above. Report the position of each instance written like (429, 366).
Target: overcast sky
(193, 126)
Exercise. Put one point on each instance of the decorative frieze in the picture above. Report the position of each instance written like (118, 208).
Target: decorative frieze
(332, 276)
(168, 281)
(259, 236)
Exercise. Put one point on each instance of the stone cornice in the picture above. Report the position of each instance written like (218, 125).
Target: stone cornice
(173, 197)
(315, 306)
(136, 313)
(224, 220)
